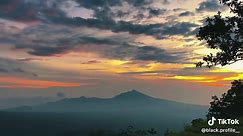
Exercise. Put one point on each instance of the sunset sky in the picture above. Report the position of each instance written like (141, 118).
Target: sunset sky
(100, 48)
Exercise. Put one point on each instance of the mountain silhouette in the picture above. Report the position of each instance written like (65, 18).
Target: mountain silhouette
(88, 114)
(132, 95)
(131, 101)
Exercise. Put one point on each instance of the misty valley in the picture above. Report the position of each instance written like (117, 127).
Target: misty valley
(84, 116)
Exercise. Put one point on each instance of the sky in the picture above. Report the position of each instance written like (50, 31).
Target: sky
(100, 48)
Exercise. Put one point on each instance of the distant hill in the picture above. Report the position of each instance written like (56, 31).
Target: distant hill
(125, 102)
(27, 101)
(80, 116)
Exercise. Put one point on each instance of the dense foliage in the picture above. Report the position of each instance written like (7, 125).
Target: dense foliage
(225, 34)
(230, 104)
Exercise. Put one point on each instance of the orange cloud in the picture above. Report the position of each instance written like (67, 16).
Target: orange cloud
(16, 82)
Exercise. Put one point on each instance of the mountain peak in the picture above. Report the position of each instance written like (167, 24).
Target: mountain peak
(133, 94)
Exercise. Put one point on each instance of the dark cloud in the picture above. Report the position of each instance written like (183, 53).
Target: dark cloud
(166, 2)
(152, 53)
(22, 71)
(121, 14)
(29, 59)
(103, 18)
(93, 4)
(154, 12)
(186, 13)
(139, 16)
(103, 9)
(146, 53)
(138, 3)
(210, 6)
(30, 10)
(14, 67)
(47, 50)
(102, 3)
(104, 13)
(178, 9)
(91, 62)
(19, 70)
(183, 28)
(156, 30)
(49, 41)
(141, 6)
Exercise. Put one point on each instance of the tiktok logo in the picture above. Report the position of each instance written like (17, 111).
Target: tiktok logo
(211, 121)
(223, 121)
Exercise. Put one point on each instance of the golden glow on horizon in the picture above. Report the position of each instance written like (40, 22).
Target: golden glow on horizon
(116, 62)
(220, 70)
(195, 78)
(144, 70)
(235, 77)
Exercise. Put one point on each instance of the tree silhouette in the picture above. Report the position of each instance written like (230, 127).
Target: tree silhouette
(230, 104)
(225, 34)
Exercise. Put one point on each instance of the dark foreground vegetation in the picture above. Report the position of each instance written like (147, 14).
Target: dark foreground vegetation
(69, 124)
